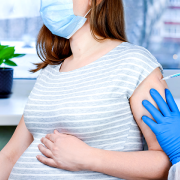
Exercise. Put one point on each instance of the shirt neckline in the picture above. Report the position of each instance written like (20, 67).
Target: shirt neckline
(82, 68)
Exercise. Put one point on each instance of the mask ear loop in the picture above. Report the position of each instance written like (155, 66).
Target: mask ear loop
(87, 13)
(76, 30)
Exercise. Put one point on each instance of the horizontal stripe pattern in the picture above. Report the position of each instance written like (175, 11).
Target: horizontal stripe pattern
(91, 103)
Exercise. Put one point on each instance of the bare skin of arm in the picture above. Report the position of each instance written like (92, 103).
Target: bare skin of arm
(139, 165)
(19, 142)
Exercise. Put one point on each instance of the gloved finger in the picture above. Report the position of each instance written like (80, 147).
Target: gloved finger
(151, 124)
(164, 108)
(153, 111)
(170, 101)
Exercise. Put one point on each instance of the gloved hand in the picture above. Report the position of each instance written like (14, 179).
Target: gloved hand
(167, 128)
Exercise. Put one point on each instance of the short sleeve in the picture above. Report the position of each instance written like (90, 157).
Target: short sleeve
(139, 64)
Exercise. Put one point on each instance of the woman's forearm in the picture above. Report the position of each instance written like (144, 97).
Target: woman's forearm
(139, 165)
(5, 166)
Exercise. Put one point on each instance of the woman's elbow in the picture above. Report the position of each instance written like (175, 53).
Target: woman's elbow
(163, 165)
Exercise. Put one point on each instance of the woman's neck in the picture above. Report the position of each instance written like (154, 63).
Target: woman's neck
(83, 44)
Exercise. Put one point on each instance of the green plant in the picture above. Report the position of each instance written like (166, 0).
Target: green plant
(7, 53)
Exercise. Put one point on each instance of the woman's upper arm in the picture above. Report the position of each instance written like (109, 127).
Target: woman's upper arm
(141, 93)
(19, 142)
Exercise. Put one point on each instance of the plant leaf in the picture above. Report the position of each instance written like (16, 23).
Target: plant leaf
(18, 55)
(10, 63)
(1, 61)
(2, 47)
(7, 52)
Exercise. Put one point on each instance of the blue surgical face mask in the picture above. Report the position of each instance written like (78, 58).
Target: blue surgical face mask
(59, 18)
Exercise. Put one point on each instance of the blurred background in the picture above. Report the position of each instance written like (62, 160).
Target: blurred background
(149, 23)
(156, 26)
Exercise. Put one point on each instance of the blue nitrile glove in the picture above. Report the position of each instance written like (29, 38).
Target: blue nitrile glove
(167, 128)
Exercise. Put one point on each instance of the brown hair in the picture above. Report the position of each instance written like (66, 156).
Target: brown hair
(106, 21)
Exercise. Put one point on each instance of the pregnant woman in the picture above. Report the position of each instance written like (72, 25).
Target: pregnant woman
(90, 89)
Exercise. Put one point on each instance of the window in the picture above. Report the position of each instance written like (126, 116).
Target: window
(165, 39)
(19, 26)
(156, 26)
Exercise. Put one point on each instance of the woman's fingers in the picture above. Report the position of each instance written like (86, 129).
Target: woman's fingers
(170, 101)
(51, 137)
(47, 143)
(47, 161)
(45, 151)
(160, 102)
(153, 111)
(151, 124)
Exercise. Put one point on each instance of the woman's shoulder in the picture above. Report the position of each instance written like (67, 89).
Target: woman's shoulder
(139, 56)
(135, 66)
(132, 49)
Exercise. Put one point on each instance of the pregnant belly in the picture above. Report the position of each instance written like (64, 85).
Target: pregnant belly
(29, 168)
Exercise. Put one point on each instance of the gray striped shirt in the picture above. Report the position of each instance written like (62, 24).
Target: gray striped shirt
(91, 103)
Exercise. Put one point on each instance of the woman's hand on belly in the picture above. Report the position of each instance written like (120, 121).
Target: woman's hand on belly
(65, 152)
